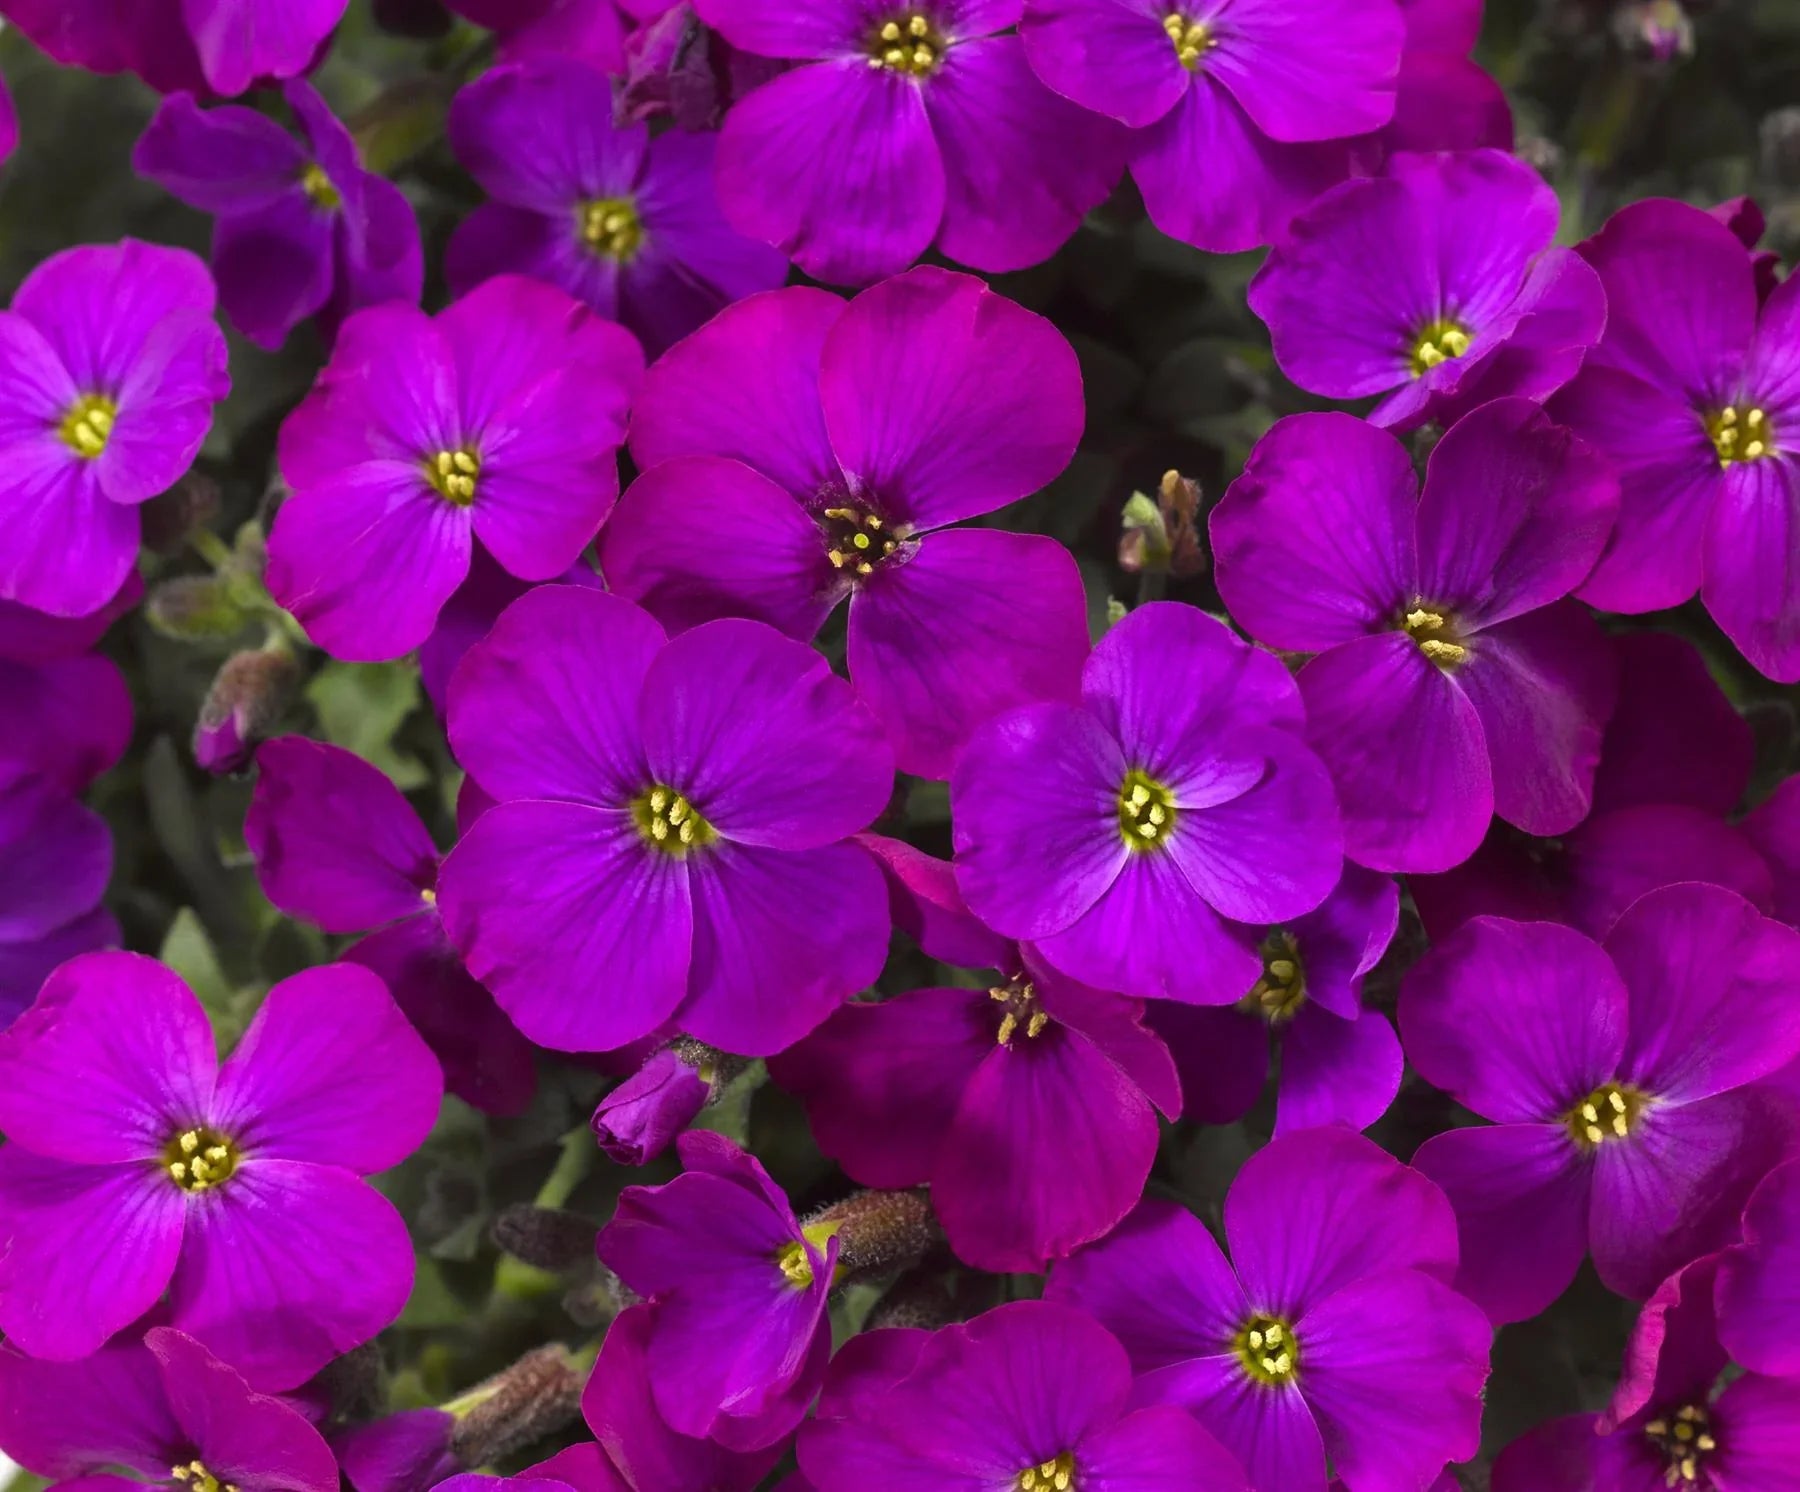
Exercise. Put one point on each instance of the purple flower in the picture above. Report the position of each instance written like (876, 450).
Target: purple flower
(499, 421)
(868, 428)
(626, 223)
(1435, 284)
(136, 1164)
(65, 714)
(302, 230)
(405, 1452)
(1265, 92)
(641, 1117)
(1694, 393)
(1328, 1332)
(904, 125)
(1442, 100)
(668, 849)
(1453, 680)
(1555, 1457)
(1031, 1395)
(337, 845)
(1029, 1107)
(1340, 1064)
(9, 122)
(591, 30)
(241, 41)
(164, 1410)
(110, 364)
(738, 1335)
(1117, 834)
(1615, 1076)
(55, 858)
(1759, 1306)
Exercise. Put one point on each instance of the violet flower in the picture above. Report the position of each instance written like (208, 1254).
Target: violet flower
(110, 364)
(499, 420)
(1435, 284)
(903, 125)
(1758, 1306)
(136, 1164)
(162, 1409)
(738, 1336)
(1119, 833)
(55, 859)
(1032, 1395)
(591, 30)
(302, 230)
(1453, 679)
(1617, 1078)
(1443, 100)
(404, 1452)
(65, 713)
(640, 1118)
(868, 429)
(9, 122)
(336, 844)
(1329, 1331)
(668, 850)
(1267, 95)
(624, 222)
(1694, 393)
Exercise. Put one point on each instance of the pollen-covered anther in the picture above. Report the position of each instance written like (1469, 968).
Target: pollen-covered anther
(1147, 811)
(1440, 341)
(1055, 1475)
(319, 188)
(857, 540)
(452, 475)
(611, 227)
(1685, 1441)
(1191, 39)
(88, 425)
(1740, 434)
(195, 1476)
(1268, 1350)
(1606, 1114)
(200, 1158)
(1020, 1011)
(907, 43)
(1436, 632)
(670, 822)
(794, 1262)
(1281, 991)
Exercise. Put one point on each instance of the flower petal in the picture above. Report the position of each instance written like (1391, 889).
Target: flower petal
(1759, 1285)
(1272, 1433)
(1313, 72)
(1751, 560)
(1337, 1071)
(62, 1420)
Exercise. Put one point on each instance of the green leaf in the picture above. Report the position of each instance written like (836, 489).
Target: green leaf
(188, 950)
(362, 707)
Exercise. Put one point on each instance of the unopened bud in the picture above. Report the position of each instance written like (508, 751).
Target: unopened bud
(921, 1299)
(881, 1231)
(191, 503)
(194, 608)
(247, 699)
(1656, 30)
(1780, 139)
(545, 1237)
(538, 1395)
(1161, 533)
(641, 1117)
(351, 1385)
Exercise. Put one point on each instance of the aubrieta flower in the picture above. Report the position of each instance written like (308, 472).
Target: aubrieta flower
(1031, 1396)
(1265, 93)
(1694, 393)
(868, 428)
(738, 1334)
(1329, 1331)
(904, 124)
(641, 1117)
(65, 713)
(110, 364)
(9, 122)
(1454, 680)
(1340, 1063)
(668, 849)
(592, 30)
(55, 858)
(1435, 284)
(162, 1409)
(405, 1452)
(624, 222)
(1117, 834)
(1616, 1076)
(1029, 1107)
(336, 844)
(1758, 1307)
(497, 421)
(136, 1164)
(1442, 99)
(302, 229)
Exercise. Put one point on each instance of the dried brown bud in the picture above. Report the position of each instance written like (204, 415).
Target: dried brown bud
(546, 1237)
(1162, 534)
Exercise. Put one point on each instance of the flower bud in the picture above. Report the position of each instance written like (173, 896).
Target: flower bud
(678, 68)
(538, 1395)
(1161, 533)
(920, 1299)
(248, 697)
(193, 608)
(640, 1118)
(1780, 140)
(191, 503)
(545, 1237)
(1657, 30)
(879, 1231)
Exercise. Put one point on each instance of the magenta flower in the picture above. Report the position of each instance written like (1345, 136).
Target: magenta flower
(1029, 1107)
(404, 1452)
(591, 30)
(1694, 393)
(1615, 1076)
(55, 859)
(1759, 1308)
(302, 230)
(1340, 1063)
(499, 421)
(1031, 1395)
(903, 125)
(869, 428)
(668, 849)
(136, 1164)
(1330, 1330)
(110, 364)
(625, 223)
(337, 845)
(1435, 284)
(1453, 679)
(9, 122)
(164, 1410)
(1443, 100)
(641, 1117)
(65, 713)
(1119, 833)
(1267, 95)
(738, 1334)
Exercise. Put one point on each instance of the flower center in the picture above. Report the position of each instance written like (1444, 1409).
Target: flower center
(669, 822)
(611, 227)
(1606, 1114)
(1685, 1440)
(1191, 39)
(199, 1159)
(1281, 991)
(1268, 1350)
(452, 475)
(1740, 434)
(857, 540)
(1019, 1002)
(793, 1262)
(908, 43)
(1435, 630)
(199, 1479)
(318, 188)
(1439, 341)
(88, 425)
(1146, 811)
(1056, 1475)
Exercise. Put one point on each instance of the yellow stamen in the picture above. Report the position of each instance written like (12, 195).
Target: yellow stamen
(1267, 1350)
(319, 189)
(611, 227)
(1606, 1114)
(1055, 1475)
(1439, 341)
(1191, 40)
(1281, 991)
(199, 1159)
(1438, 634)
(908, 44)
(670, 822)
(1147, 812)
(793, 1262)
(452, 475)
(1739, 435)
(88, 425)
